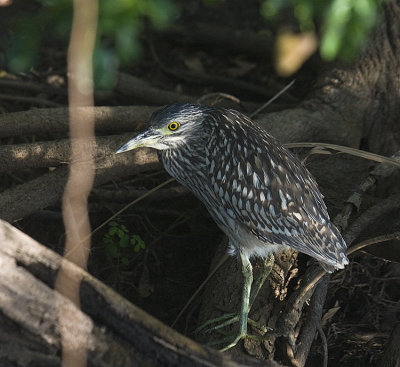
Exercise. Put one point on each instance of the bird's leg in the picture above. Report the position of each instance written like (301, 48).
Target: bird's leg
(249, 295)
(247, 271)
(250, 292)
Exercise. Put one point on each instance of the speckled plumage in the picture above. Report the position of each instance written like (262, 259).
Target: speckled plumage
(257, 191)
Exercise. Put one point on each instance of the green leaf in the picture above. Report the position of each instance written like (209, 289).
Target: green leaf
(347, 24)
(120, 233)
(344, 24)
(126, 42)
(271, 8)
(107, 239)
(138, 242)
(304, 13)
(134, 239)
(112, 250)
(119, 25)
(112, 231)
(124, 242)
(142, 244)
(336, 19)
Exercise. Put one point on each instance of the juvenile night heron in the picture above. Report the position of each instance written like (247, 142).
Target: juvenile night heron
(258, 193)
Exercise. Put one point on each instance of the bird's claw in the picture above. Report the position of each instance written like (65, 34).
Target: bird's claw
(229, 319)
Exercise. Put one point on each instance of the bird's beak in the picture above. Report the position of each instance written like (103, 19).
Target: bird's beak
(147, 138)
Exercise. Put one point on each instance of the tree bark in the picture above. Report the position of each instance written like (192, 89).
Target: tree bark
(118, 333)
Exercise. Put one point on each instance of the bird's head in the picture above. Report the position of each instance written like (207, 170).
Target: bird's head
(170, 127)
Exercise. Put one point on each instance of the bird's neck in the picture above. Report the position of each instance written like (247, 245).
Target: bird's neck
(186, 164)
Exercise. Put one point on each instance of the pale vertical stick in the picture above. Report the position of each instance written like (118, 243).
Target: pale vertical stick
(81, 175)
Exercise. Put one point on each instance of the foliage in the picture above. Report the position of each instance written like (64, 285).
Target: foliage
(345, 24)
(343, 27)
(118, 241)
(120, 22)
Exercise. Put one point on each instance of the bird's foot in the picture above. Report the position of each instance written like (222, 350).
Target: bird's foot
(234, 342)
(237, 339)
(248, 296)
(229, 319)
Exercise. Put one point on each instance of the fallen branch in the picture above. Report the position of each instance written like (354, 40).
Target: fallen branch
(56, 153)
(31, 86)
(50, 122)
(119, 334)
(31, 100)
(18, 202)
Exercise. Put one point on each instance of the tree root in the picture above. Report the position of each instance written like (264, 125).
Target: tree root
(115, 332)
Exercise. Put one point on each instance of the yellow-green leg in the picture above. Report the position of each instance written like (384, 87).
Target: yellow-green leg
(249, 294)
(247, 271)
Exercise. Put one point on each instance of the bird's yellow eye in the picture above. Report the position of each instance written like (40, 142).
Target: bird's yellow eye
(173, 126)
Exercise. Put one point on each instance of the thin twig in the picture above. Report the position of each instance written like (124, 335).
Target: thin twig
(132, 203)
(304, 291)
(311, 322)
(266, 104)
(374, 241)
(354, 248)
(348, 150)
(217, 96)
(200, 288)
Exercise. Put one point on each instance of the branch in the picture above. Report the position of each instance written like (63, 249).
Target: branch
(18, 202)
(54, 121)
(312, 321)
(119, 333)
(370, 216)
(380, 172)
(56, 153)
